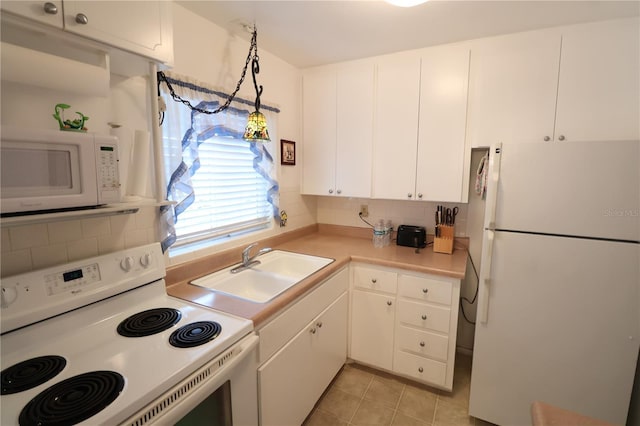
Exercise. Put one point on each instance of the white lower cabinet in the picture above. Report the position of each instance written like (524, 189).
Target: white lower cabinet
(405, 322)
(293, 378)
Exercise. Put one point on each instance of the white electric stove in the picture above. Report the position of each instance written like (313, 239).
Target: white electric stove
(99, 341)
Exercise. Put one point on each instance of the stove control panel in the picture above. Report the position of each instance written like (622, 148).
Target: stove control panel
(72, 280)
(37, 295)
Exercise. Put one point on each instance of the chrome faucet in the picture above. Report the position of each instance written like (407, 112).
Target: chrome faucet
(249, 261)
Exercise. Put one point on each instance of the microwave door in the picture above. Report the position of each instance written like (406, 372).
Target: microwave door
(46, 176)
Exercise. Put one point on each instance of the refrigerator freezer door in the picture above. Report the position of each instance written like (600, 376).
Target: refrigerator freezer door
(563, 327)
(571, 188)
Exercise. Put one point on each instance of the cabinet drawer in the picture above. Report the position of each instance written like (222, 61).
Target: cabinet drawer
(423, 369)
(422, 343)
(425, 289)
(424, 316)
(375, 279)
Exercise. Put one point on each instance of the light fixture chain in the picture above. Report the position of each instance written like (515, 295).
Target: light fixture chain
(253, 55)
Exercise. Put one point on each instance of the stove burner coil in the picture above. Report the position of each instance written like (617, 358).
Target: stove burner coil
(30, 373)
(195, 334)
(149, 322)
(73, 400)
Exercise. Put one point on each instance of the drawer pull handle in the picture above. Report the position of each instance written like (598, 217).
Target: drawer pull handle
(424, 317)
(420, 369)
(374, 280)
(313, 330)
(319, 324)
(389, 302)
(425, 290)
(422, 344)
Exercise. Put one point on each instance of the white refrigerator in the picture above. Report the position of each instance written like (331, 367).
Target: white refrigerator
(558, 304)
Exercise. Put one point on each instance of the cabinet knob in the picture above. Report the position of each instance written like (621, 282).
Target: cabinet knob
(331, 191)
(547, 138)
(424, 317)
(422, 344)
(561, 137)
(420, 195)
(425, 290)
(374, 280)
(409, 195)
(420, 369)
(389, 302)
(50, 8)
(82, 19)
(339, 191)
(313, 330)
(319, 324)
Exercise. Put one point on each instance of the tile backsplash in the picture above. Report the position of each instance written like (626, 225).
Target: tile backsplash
(344, 211)
(35, 246)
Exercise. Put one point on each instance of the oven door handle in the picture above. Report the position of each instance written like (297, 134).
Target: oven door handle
(178, 401)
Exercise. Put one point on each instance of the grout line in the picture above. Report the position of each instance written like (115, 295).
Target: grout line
(395, 410)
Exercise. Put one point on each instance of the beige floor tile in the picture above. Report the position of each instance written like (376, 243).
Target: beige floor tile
(418, 403)
(340, 404)
(353, 380)
(448, 414)
(459, 395)
(480, 422)
(401, 419)
(323, 418)
(384, 391)
(372, 413)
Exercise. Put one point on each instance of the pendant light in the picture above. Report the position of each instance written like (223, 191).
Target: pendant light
(256, 130)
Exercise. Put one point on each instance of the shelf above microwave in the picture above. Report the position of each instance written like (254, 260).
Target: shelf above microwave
(106, 210)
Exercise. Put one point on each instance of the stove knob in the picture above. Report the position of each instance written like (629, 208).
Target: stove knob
(9, 295)
(127, 263)
(145, 260)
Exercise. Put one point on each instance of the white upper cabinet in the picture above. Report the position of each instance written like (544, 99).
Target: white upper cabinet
(354, 130)
(46, 12)
(574, 83)
(337, 130)
(599, 86)
(512, 91)
(395, 134)
(319, 132)
(141, 27)
(442, 169)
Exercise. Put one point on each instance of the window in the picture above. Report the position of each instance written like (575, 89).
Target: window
(222, 184)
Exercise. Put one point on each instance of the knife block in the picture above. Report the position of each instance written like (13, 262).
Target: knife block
(444, 242)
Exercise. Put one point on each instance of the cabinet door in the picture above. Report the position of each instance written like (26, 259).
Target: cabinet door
(319, 132)
(599, 87)
(395, 135)
(372, 319)
(142, 27)
(443, 113)
(354, 130)
(35, 10)
(292, 381)
(513, 85)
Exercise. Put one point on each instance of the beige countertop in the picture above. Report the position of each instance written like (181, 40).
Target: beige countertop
(344, 244)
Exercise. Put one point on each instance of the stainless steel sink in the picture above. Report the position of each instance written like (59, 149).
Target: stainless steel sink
(277, 271)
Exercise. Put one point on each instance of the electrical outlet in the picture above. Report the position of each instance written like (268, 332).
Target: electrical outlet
(364, 210)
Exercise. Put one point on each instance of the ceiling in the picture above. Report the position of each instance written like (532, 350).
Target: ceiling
(310, 33)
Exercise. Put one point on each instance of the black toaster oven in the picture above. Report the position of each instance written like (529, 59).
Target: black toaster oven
(412, 236)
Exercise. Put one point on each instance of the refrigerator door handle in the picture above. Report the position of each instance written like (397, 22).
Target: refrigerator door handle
(492, 190)
(485, 280)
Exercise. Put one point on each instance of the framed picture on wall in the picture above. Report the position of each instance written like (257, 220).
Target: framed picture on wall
(287, 152)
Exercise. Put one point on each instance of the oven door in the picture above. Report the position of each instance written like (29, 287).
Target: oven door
(47, 174)
(222, 392)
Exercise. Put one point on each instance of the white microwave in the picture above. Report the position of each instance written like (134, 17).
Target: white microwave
(44, 170)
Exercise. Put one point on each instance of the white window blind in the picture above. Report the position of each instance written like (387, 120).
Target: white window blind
(230, 196)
